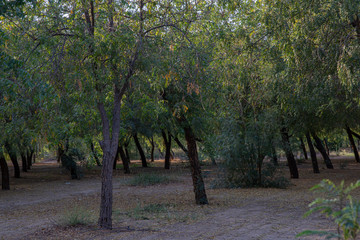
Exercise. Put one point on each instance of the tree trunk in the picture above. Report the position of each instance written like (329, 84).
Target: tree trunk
(303, 148)
(289, 154)
(5, 178)
(312, 154)
(199, 186)
(352, 143)
(13, 158)
(124, 160)
(126, 145)
(152, 149)
(167, 143)
(181, 145)
(326, 147)
(94, 154)
(60, 152)
(322, 150)
(23, 161)
(117, 157)
(29, 157)
(141, 152)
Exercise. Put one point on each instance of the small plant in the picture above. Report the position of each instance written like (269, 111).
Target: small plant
(148, 211)
(339, 206)
(76, 216)
(148, 179)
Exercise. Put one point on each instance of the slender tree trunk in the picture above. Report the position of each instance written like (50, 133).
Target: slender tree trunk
(126, 145)
(322, 150)
(94, 153)
(141, 152)
(124, 160)
(117, 157)
(5, 176)
(312, 154)
(303, 148)
(199, 186)
(352, 143)
(29, 157)
(181, 145)
(326, 147)
(23, 161)
(289, 154)
(152, 149)
(13, 158)
(274, 157)
(167, 143)
(60, 152)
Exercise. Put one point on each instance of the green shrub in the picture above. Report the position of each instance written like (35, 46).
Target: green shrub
(339, 206)
(76, 216)
(148, 179)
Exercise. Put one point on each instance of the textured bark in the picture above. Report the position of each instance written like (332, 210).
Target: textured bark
(303, 148)
(117, 158)
(167, 143)
(13, 158)
(97, 160)
(141, 151)
(326, 147)
(352, 143)
(124, 160)
(23, 161)
(5, 177)
(199, 186)
(312, 154)
(322, 150)
(152, 149)
(29, 157)
(289, 154)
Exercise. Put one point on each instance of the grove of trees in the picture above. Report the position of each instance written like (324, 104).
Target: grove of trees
(240, 81)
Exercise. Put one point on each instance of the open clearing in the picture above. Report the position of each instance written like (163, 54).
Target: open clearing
(37, 205)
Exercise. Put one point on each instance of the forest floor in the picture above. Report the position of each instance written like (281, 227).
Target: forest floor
(41, 203)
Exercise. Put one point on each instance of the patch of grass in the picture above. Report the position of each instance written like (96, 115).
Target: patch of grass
(76, 216)
(148, 179)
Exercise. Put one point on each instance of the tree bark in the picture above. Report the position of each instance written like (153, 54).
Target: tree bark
(322, 150)
(352, 143)
(23, 161)
(126, 145)
(29, 157)
(326, 147)
(117, 157)
(5, 176)
(289, 154)
(13, 158)
(152, 149)
(167, 143)
(312, 154)
(181, 145)
(303, 148)
(141, 151)
(124, 160)
(94, 154)
(199, 186)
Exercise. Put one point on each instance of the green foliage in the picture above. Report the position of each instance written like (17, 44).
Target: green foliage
(339, 206)
(76, 216)
(70, 160)
(149, 179)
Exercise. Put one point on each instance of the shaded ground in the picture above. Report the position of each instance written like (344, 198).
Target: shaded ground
(38, 204)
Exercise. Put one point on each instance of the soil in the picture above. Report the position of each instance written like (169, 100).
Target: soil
(40, 205)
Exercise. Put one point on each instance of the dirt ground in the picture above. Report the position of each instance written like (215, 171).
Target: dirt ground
(40, 203)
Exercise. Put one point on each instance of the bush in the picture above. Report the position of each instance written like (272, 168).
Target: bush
(148, 179)
(69, 161)
(339, 206)
(76, 216)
